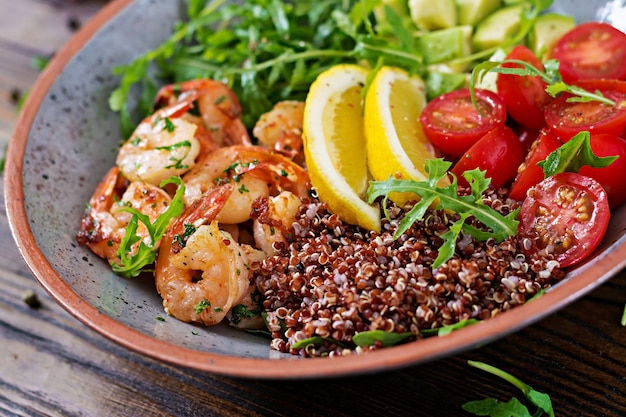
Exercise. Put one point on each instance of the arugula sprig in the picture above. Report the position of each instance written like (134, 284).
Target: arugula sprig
(134, 264)
(573, 155)
(551, 76)
(433, 196)
(513, 407)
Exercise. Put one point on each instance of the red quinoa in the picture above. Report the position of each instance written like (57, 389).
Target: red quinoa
(334, 279)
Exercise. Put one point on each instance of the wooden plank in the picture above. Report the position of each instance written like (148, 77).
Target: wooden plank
(31, 29)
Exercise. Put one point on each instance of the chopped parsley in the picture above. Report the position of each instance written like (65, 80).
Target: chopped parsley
(201, 306)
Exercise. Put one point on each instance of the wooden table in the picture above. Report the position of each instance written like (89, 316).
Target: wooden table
(52, 365)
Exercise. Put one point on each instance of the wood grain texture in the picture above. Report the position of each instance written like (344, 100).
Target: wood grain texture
(52, 365)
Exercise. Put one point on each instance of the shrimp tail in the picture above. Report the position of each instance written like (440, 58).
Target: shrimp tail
(94, 227)
(218, 105)
(201, 211)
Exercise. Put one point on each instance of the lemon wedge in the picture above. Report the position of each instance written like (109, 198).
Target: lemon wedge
(395, 142)
(334, 144)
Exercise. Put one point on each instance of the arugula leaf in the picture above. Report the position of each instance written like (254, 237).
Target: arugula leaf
(446, 251)
(551, 76)
(445, 330)
(573, 155)
(133, 264)
(404, 35)
(494, 408)
(432, 195)
(316, 341)
(369, 337)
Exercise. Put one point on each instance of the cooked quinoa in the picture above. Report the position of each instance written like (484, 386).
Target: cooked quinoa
(334, 280)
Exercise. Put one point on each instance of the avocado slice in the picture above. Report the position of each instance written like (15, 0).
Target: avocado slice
(499, 26)
(548, 29)
(445, 44)
(470, 12)
(432, 15)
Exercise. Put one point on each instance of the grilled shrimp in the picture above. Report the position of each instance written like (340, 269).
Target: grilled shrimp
(201, 271)
(273, 220)
(104, 223)
(162, 145)
(217, 104)
(281, 128)
(253, 170)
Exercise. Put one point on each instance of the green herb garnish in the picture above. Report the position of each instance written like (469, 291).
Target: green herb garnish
(432, 195)
(370, 337)
(201, 306)
(133, 265)
(573, 155)
(494, 408)
(551, 76)
(445, 330)
(315, 341)
(241, 311)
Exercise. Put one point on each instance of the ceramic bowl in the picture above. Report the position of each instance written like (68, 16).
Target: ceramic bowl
(66, 139)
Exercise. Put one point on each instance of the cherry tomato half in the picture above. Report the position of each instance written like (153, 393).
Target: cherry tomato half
(612, 176)
(529, 173)
(567, 214)
(452, 123)
(526, 135)
(602, 84)
(566, 119)
(524, 96)
(499, 153)
(591, 50)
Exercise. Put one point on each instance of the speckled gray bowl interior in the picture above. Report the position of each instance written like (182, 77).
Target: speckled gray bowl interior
(73, 143)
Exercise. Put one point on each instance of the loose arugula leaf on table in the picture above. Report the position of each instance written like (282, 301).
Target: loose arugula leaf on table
(265, 50)
(573, 155)
(432, 195)
(133, 265)
(512, 408)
